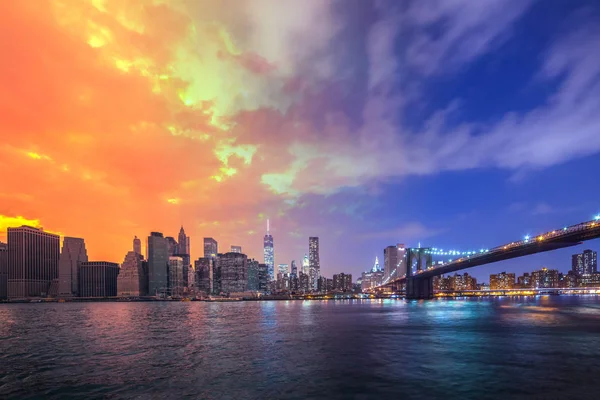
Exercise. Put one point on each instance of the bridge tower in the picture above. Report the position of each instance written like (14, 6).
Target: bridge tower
(418, 259)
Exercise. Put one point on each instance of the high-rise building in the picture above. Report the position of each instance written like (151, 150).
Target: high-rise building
(98, 279)
(72, 255)
(294, 268)
(253, 275)
(263, 278)
(175, 281)
(3, 271)
(158, 261)
(585, 263)
(305, 264)
(502, 281)
(283, 269)
(183, 246)
(233, 270)
(211, 247)
(173, 245)
(236, 249)
(342, 282)
(32, 261)
(137, 245)
(314, 262)
(390, 261)
(204, 275)
(269, 253)
(132, 280)
(303, 283)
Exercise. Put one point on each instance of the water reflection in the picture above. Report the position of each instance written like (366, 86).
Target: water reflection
(480, 348)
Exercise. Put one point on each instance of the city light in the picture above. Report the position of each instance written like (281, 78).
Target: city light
(526, 238)
(597, 217)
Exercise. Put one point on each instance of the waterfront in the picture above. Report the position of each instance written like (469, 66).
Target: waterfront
(534, 347)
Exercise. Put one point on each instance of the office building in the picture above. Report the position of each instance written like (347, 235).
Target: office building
(303, 283)
(3, 271)
(132, 280)
(233, 271)
(390, 261)
(173, 245)
(73, 253)
(236, 249)
(32, 262)
(175, 277)
(137, 245)
(294, 268)
(342, 282)
(204, 275)
(263, 278)
(98, 279)
(314, 262)
(283, 269)
(183, 251)
(158, 261)
(305, 264)
(269, 253)
(253, 275)
(502, 281)
(211, 248)
(321, 284)
(183, 246)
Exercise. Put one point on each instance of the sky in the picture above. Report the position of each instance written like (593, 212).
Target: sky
(455, 124)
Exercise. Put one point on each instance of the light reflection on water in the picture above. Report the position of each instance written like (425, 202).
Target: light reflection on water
(526, 347)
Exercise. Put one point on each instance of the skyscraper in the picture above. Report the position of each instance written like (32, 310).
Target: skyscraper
(3, 271)
(172, 243)
(98, 279)
(283, 269)
(253, 275)
(132, 278)
(305, 264)
(314, 262)
(175, 276)
(183, 251)
(184, 242)
(32, 261)
(236, 249)
(294, 268)
(211, 248)
(269, 253)
(204, 275)
(137, 245)
(234, 272)
(158, 259)
(72, 255)
(390, 261)
(585, 263)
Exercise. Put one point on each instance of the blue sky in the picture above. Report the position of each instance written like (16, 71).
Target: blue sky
(492, 82)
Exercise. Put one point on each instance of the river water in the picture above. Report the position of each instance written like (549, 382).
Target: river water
(503, 348)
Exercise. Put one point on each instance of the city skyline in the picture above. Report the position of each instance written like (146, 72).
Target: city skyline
(465, 137)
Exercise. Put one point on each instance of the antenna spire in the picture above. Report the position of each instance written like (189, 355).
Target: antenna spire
(267, 226)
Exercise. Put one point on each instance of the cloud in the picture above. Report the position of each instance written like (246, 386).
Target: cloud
(411, 231)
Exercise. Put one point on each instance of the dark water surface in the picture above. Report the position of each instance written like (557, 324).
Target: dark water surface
(537, 347)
